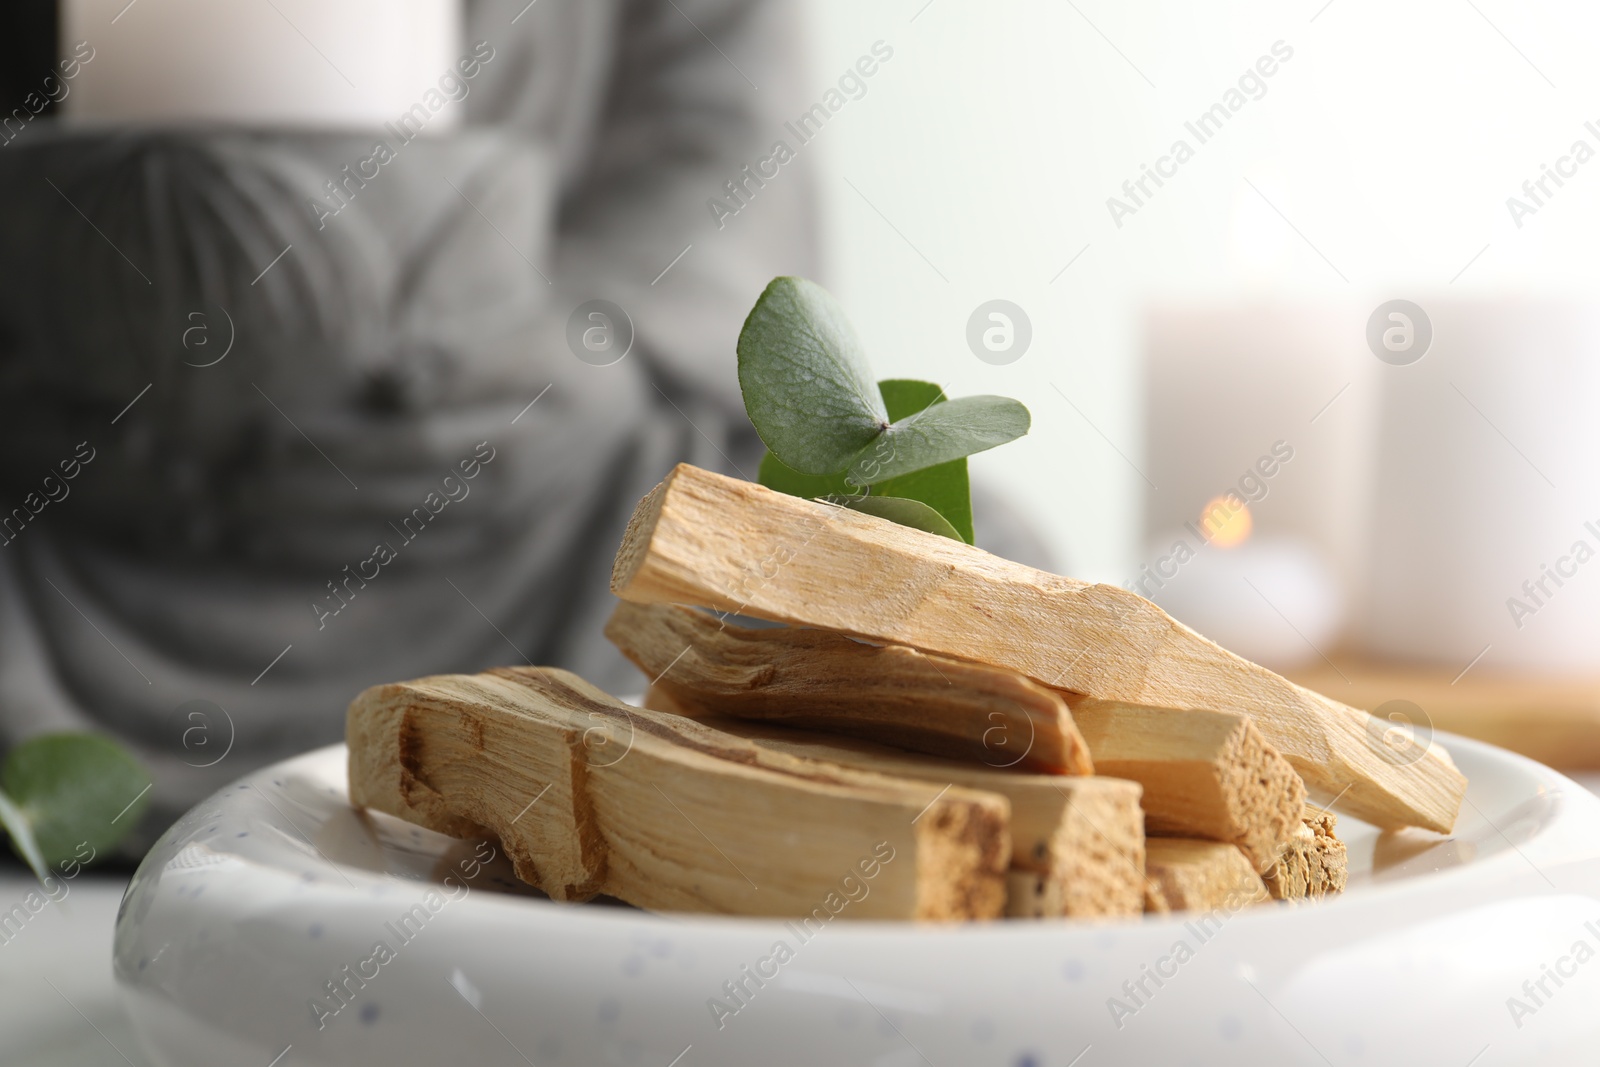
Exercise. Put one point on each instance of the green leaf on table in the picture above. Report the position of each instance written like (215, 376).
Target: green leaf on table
(70, 790)
(912, 513)
(938, 434)
(15, 824)
(805, 379)
(943, 487)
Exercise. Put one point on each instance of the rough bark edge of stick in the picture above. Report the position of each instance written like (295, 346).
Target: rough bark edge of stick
(803, 677)
(634, 548)
(1187, 875)
(1315, 865)
(391, 714)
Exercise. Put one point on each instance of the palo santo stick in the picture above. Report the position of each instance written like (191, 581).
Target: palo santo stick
(703, 539)
(591, 797)
(1206, 774)
(1315, 863)
(1185, 875)
(824, 681)
(1077, 842)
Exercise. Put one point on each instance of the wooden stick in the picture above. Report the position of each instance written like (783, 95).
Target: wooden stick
(823, 681)
(702, 539)
(1189, 875)
(1077, 842)
(1206, 774)
(1314, 865)
(591, 797)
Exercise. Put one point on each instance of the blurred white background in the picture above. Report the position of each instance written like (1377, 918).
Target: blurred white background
(992, 139)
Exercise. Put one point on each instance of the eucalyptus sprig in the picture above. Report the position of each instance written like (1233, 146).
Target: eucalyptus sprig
(896, 449)
(60, 792)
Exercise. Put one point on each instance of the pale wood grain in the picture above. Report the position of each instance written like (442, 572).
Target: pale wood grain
(589, 796)
(1206, 774)
(702, 539)
(1077, 842)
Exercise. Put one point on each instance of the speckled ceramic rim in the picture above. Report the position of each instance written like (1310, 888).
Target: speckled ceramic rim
(227, 943)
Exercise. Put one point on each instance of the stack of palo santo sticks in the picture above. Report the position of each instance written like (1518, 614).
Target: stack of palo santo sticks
(933, 733)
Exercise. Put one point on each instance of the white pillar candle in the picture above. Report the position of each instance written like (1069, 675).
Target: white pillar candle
(1486, 528)
(284, 63)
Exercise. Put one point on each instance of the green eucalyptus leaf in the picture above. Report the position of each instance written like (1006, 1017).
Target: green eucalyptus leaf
(904, 397)
(774, 474)
(805, 379)
(938, 434)
(912, 513)
(943, 487)
(74, 790)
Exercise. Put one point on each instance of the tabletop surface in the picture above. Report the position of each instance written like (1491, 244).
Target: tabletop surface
(58, 1006)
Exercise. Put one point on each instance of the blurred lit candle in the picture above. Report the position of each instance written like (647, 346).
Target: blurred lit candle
(287, 63)
(1270, 599)
(1238, 389)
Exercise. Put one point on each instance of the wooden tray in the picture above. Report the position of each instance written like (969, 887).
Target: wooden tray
(1554, 720)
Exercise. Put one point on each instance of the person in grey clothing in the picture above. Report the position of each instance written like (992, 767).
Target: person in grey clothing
(237, 489)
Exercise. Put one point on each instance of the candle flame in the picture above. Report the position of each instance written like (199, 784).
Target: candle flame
(1226, 521)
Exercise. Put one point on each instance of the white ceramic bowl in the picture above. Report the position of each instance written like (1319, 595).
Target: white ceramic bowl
(250, 907)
